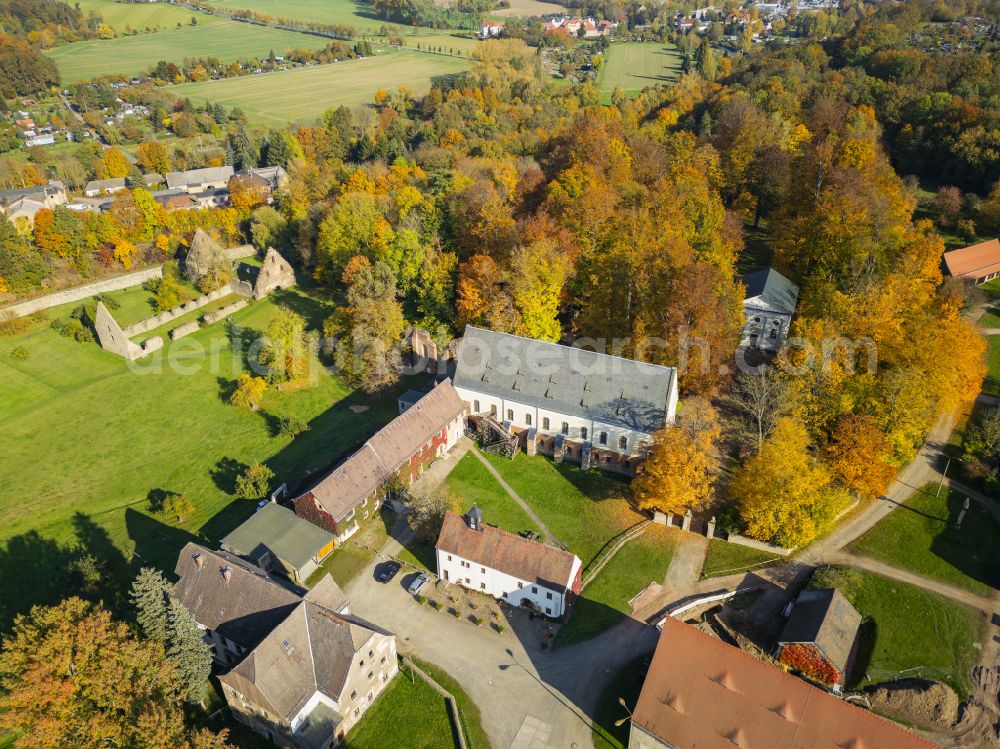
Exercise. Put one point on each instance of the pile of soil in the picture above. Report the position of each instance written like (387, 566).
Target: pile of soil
(917, 701)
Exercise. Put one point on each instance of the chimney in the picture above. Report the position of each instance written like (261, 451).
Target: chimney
(199, 559)
(475, 518)
(227, 574)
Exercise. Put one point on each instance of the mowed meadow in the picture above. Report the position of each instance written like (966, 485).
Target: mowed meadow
(89, 441)
(210, 37)
(140, 17)
(301, 95)
(634, 66)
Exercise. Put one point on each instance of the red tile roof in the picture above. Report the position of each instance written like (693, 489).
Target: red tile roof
(976, 261)
(703, 693)
(499, 550)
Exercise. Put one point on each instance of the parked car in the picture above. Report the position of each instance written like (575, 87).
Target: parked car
(530, 535)
(418, 582)
(387, 571)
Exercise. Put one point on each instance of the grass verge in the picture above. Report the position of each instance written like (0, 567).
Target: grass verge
(724, 558)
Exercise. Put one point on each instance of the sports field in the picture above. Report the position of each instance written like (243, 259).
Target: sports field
(211, 37)
(636, 65)
(138, 16)
(304, 94)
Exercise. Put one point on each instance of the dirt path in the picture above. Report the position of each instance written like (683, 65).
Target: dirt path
(689, 558)
(549, 535)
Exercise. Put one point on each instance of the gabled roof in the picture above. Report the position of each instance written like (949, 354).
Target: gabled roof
(195, 177)
(773, 289)
(499, 550)
(281, 532)
(703, 693)
(975, 261)
(566, 380)
(825, 618)
(117, 183)
(243, 608)
(310, 651)
(360, 475)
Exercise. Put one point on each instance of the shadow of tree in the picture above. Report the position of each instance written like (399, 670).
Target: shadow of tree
(225, 472)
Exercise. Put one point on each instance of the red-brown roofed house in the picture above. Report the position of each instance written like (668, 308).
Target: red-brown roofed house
(819, 635)
(979, 262)
(703, 693)
(514, 569)
(404, 447)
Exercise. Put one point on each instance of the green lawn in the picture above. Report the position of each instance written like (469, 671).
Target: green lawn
(992, 289)
(625, 685)
(604, 602)
(584, 509)
(211, 37)
(637, 65)
(302, 95)
(724, 558)
(475, 735)
(355, 553)
(472, 484)
(990, 318)
(89, 438)
(357, 14)
(991, 384)
(920, 536)
(139, 16)
(906, 628)
(408, 713)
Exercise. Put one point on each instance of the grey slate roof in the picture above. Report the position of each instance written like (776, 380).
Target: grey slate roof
(197, 177)
(563, 379)
(280, 531)
(777, 291)
(244, 608)
(828, 620)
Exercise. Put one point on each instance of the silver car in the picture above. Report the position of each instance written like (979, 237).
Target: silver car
(418, 582)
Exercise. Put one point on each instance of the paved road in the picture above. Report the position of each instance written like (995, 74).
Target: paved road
(549, 535)
(529, 698)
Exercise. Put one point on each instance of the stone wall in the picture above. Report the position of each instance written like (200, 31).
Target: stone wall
(223, 312)
(183, 330)
(239, 252)
(112, 337)
(82, 292)
(275, 273)
(152, 323)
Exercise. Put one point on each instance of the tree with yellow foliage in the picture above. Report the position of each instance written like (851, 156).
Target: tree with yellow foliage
(114, 164)
(859, 453)
(679, 471)
(783, 493)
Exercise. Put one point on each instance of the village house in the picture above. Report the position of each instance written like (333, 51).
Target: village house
(403, 448)
(98, 187)
(277, 540)
(22, 205)
(491, 28)
(517, 570)
(585, 27)
(302, 668)
(200, 180)
(769, 304)
(819, 635)
(977, 263)
(701, 692)
(563, 401)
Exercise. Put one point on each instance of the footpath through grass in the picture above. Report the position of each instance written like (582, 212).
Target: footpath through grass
(724, 558)
(920, 536)
(585, 509)
(907, 629)
(604, 602)
(472, 484)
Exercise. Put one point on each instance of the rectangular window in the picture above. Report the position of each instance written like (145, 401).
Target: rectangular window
(520, 584)
(565, 427)
(475, 406)
(583, 433)
(549, 596)
(623, 443)
(482, 586)
(545, 423)
(510, 414)
(534, 589)
(449, 557)
(548, 611)
(527, 419)
(603, 439)
(483, 570)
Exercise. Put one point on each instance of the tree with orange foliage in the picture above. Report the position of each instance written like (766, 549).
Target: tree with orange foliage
(152, 157)
(859, 454)
(114, 164)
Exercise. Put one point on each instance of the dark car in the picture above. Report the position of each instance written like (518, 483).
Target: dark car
(387, 571)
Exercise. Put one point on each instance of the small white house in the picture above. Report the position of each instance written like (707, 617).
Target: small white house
(491, 29)
(521, 572)
(769, 305)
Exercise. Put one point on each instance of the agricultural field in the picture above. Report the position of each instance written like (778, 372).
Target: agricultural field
(131, 55)
(636, 65)
(356, 13)
(142, 17)
(91, 440)
(525, 8)
(302, 95)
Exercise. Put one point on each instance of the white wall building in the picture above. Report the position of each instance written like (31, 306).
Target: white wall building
(769, 305)
(593, 408)
(521, 572)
